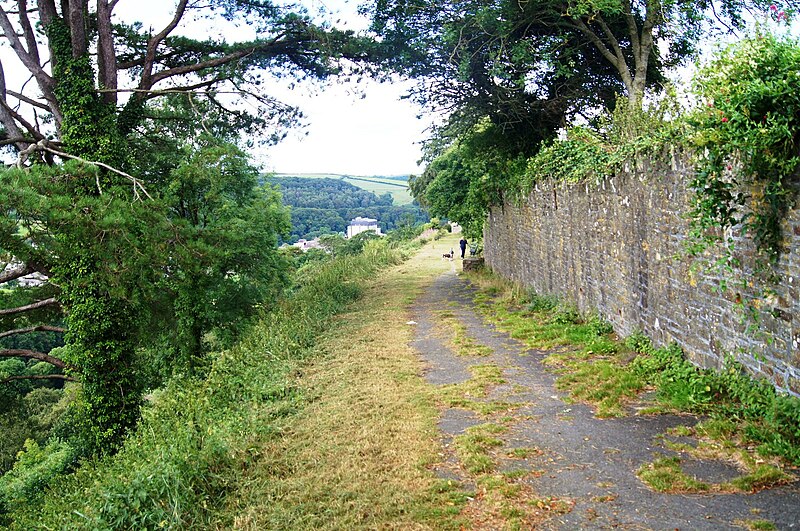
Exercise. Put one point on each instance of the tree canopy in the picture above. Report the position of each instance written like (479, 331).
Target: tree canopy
(129, 196)
(512, 74)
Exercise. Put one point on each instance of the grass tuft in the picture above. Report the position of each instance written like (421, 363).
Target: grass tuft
(665, 475)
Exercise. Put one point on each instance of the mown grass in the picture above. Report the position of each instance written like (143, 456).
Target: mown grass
(665, 475)
(358, 454)
(503, 499)
(458, 337)
(717, 439)
(755, 525)
(275, 435)
(471, 394)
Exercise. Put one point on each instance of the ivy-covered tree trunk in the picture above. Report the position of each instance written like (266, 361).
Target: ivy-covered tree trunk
(101, 323)
(70, 209)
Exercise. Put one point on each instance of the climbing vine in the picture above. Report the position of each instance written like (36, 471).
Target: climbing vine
(747, 136)
(102, 313)
(89, 125)
(601, 151)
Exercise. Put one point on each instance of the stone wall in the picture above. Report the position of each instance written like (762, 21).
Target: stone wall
(617, 247)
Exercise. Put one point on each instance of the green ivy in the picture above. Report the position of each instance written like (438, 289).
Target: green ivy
(89, 125)
(102, 318)
(746, 135)
(598, 152)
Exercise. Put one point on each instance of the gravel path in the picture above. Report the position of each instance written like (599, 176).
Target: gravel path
(590, 462)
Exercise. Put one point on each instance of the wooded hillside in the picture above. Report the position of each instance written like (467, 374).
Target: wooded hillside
(326, 206)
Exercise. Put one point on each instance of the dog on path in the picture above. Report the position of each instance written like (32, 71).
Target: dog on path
(448, 256)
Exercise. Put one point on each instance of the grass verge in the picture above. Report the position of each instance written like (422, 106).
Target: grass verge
(460, 341)
(358, 454)
(598, 368)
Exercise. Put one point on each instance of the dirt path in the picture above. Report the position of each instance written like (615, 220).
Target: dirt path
(587, 464)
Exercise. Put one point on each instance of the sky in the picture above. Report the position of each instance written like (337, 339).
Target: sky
(372, 132)
(353, 129)
(375, 133)
(350, 129)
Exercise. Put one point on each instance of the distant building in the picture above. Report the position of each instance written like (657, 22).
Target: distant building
(305, 245)
(33, 280)
(359, 225)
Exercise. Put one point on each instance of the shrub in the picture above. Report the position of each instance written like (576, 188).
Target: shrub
(746, 135)
(638, 342)
(566, 314)
(34, 469)
(541, 303)
(599, 325)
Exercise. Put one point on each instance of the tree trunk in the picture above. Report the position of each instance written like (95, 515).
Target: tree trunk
(101, 325)
(106, 53)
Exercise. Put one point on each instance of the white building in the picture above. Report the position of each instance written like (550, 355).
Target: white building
(359, 225)
(305, 245)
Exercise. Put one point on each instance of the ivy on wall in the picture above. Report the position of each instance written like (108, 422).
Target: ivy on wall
(747, 135)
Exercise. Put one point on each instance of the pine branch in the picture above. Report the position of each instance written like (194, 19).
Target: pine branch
(33, 355)
(28, 307)
(44, 145)
(37, 328)
(39, 377)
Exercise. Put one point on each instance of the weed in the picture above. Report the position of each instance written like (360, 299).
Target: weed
(462, 343)
(638, 342)
(599, 325)
(566, 315)
(597, 369)
(763, 476)
(473, 447)
(541, 303)
(524, 453)
(665, 475)
(756, 525)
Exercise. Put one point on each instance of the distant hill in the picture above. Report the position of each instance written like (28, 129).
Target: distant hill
(324, 205)
(396, 185)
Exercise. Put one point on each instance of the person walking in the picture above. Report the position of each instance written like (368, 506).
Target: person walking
(463, 244)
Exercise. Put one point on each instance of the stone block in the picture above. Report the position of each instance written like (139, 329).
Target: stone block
(473, 263)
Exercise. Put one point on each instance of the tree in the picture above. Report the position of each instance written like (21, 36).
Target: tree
(511, 74)
(96, 224)
(227, 263)
(511, 62)
(494, 59)
(654, 31)
(475, 172)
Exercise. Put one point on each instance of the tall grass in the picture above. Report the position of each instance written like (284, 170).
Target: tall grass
(195, 435)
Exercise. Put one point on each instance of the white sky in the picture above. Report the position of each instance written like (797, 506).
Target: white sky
(375, 133)
(372, 132)
(352, 129)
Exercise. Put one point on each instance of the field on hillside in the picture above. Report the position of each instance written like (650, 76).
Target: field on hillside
(378, 185)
